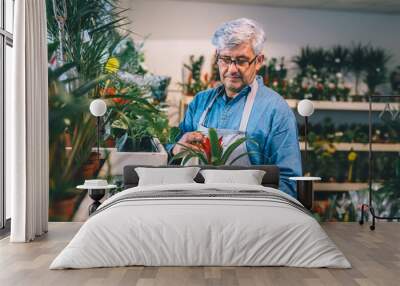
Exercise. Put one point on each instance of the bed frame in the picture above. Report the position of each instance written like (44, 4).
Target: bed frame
(270, 179)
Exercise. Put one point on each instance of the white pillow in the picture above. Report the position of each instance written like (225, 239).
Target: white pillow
(249, 177)
(166, 176)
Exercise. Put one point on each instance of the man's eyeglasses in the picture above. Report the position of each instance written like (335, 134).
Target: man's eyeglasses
(240, 62)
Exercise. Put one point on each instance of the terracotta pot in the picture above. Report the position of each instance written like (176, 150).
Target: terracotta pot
(110, 143)
(91, 167)
(62, 210)
(67, 138)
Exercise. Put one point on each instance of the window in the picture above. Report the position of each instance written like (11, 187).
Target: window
(6, 44)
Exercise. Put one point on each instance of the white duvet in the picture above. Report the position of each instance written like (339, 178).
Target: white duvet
(204, 231)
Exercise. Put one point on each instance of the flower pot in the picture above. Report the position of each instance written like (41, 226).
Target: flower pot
(91, 167)
(116, 161)
(62, 210)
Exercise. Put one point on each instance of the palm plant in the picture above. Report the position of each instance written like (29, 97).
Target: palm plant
(86, 31)
(338, 59)
(376, 70)
(210, 152)
(84, 35)
(311, 60)
(358, 62)
(303, 60)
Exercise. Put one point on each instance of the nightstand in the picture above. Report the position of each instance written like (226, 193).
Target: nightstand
(96, 190)
(305, 192)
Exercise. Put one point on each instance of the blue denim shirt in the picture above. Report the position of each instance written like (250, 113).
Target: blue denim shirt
(272, 124)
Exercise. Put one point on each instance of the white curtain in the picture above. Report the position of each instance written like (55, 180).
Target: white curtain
(27, 124)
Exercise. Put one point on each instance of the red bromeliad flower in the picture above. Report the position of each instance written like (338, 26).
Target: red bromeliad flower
(111, 91)
(206, 147)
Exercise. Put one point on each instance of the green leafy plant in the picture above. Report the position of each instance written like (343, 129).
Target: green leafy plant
(210, 151)
(395, 80)
(376, 70)
(274, 74)
(194, 82)
(358, 63)
(338, 59)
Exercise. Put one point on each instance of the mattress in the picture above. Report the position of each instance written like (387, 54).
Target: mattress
(201, 225)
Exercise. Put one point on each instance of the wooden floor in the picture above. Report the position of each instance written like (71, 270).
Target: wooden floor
(375, 257)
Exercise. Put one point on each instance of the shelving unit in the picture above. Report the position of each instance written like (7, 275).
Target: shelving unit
(339, 146)
(339, 187)
(318, 105)
(342, 105)
(362, 147)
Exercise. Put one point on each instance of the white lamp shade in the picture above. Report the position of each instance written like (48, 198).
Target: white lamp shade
(98, 107)
(305, 107)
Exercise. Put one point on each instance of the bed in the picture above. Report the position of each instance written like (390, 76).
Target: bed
(198, 224)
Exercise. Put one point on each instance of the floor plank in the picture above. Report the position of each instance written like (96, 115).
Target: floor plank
(375, 257)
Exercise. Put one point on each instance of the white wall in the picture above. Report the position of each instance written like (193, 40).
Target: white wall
(178, 29)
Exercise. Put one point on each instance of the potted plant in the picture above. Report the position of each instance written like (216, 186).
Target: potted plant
(194, 82)
(376, 70)
(211, 152)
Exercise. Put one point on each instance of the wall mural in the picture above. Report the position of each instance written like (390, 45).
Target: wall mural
(92, 55)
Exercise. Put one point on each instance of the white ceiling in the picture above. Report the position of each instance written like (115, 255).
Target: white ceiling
(371, 6)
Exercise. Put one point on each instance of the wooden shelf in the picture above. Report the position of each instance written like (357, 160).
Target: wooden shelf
(325, 105)
(339, 187)
(342, 105)
(376, 147)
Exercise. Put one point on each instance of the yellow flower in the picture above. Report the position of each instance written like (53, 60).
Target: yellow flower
(352, 156)
(112, 65)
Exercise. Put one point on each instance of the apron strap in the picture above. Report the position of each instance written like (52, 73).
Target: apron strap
(246, 111)
(204, 114)
(248, 107)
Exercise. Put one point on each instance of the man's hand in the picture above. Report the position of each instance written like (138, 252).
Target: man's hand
(189, 140)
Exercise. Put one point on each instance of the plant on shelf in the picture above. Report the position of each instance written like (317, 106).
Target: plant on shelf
(387, 132)
(321, 74)
(210, 151)
(274, 74)
(89, 57)
(358, 53)
(395, 80)
(194, 82)
(387, 196)
(338, 59)
(80, 34)
(375, 70)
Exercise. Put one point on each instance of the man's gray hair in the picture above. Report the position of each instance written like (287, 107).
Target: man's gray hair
(236, 32)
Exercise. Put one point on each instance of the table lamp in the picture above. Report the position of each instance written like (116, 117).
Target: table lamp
(305, 108)
(305, 192)
(98, 108)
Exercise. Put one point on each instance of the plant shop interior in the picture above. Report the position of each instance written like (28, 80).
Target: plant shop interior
(153, 57)
(139, 137)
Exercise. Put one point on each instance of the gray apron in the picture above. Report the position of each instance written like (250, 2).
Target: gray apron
(231, 135)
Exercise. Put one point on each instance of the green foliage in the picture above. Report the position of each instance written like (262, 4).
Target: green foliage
(322, 72)
(87, 35)
(395, 80)
(358, 62)
(195, 83)
(338, 59)
(67, 116)
(98, 20)
(375, 71)
(211, 151)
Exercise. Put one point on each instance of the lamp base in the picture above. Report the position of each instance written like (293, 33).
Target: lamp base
(305, 193)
